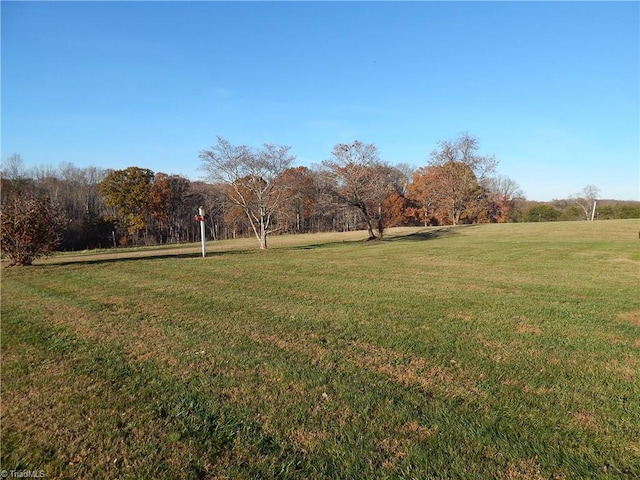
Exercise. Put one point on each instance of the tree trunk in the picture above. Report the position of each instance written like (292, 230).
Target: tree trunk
(367, 218)
(370, 228)
(455, 218)
(264, 226)
(380, 226)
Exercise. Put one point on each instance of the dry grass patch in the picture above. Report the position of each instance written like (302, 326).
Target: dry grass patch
(400, 368)
(505, 352)
(409, 371)
(307, 441)
(460, 316)
(395, 450)
(632, 317)
(585, 419)
(142, 339)
(526, 388)
(88, 325)
(528, 469)
(307, 345)
(419, 432)
(62, 419)
(524, 328)
(627, 370)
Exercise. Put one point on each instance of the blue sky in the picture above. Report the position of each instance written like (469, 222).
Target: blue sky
(550, 88)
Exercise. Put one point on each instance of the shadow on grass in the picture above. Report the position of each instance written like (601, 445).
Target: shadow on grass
(429, 233)
(327, 244)
(433, 233)
(128, 257)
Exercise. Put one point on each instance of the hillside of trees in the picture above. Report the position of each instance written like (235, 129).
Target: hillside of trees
(257, 192)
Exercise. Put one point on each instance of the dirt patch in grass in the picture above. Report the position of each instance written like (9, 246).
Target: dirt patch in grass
(627, 260)
(618, 339)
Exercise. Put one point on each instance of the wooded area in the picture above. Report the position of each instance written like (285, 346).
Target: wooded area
(257, 192)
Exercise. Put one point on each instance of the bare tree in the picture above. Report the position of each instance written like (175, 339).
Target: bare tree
(362, 180)
(505, 193)
(252, 179)
(13, 167)
(328, 210)
(586, 200)
(402, 177)
(81, 185)
(504, 187)
(464, 150)
(13, 176)
(295, 211)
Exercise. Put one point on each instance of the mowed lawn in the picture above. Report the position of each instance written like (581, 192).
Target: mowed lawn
(472, 352)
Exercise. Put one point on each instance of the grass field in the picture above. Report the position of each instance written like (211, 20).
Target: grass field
(474, 352)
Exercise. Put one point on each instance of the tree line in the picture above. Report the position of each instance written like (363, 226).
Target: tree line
(257, 191)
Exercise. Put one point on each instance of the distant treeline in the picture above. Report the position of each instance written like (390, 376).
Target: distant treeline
(99, 208)
(567, 210)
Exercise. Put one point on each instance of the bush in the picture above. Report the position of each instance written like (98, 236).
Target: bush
(541, 213)
(30, 228)
(618, 211)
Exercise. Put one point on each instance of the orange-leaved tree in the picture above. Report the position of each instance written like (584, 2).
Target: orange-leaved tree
(453, 187)
(167, 202)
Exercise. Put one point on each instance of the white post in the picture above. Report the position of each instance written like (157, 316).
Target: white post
(593, 212)
(202, 231)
